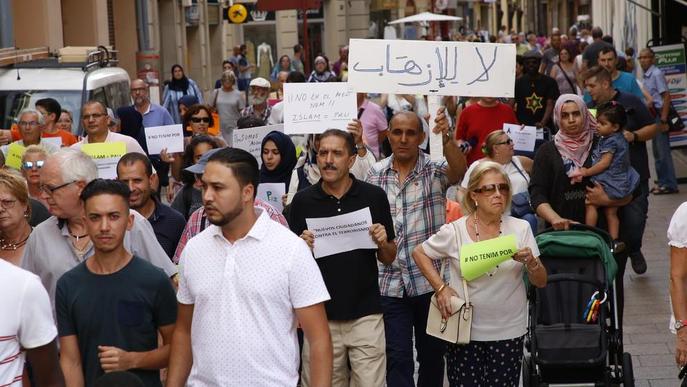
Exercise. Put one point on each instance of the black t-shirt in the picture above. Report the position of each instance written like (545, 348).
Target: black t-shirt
(123, 309)
(638, 116)
(38, 212)
(168, 225)
(531, 95)
(351, 277)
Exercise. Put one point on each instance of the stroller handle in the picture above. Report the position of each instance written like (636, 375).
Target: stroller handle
(583, 227)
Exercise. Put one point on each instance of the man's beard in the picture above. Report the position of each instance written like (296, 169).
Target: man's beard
(255, 100)
(227, 217)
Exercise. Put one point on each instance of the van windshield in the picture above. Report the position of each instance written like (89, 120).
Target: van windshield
(14, 101)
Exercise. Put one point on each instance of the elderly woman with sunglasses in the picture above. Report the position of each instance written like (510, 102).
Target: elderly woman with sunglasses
(498, 147)
(499, 322)
(15, 211)
(31, 164)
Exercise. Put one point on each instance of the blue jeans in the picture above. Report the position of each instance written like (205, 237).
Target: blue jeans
(664, 161)
(401, 317)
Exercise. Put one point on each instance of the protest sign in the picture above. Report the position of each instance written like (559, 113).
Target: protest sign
(250, 139)
(106, 156)
(54, 141)
(14, 154)
(478, 258)
(161, 137)
(316, 107)
(524, 137)
(432, 68)
(338, 234)
(272, 193)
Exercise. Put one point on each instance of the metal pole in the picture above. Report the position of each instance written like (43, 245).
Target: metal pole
(6, 24)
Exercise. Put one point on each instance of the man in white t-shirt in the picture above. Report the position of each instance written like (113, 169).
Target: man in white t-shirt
(245, 283)
(27, 329)
(96, 123)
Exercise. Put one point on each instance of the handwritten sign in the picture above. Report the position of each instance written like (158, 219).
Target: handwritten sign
(161, 137)
(250, 139)
(272, 193)
(432, 68)
(478, 258)
(316, 107)
(106, 156)
(338, 234)
(15, 152)
(524, 137)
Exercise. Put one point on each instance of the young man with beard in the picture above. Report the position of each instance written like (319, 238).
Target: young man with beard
(111, 307)
(136, 170)
(355, 311)
(257, 100)
(246, 281)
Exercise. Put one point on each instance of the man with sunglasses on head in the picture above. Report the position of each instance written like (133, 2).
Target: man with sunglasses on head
(96, 124)
(30, 126)
(61, 242)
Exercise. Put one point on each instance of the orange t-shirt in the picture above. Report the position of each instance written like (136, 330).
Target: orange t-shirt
(68, 139)
(453, 211)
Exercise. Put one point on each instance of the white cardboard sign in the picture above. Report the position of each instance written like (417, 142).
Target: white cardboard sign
(432, 68)
(250, 139)
(524, 137)
(161, 137)
(316, 107)
(338, 234)
(272, 194)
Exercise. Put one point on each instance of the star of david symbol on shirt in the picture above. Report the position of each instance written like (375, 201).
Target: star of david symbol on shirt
(534, 103)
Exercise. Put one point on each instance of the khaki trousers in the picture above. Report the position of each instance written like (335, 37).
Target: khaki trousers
(359, 343)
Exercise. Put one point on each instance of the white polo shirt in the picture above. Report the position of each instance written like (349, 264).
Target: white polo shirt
(244, 294)
(25, 320)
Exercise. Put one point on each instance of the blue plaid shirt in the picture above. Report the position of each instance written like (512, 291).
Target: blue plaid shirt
(418, 208)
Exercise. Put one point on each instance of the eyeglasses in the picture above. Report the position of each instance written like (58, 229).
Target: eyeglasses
(8, 203)
(51, 190)
(509, 142)
(490, 189)
(27, 123)
(197, 120)
(87, 117)
(139, 90)
(30, 164)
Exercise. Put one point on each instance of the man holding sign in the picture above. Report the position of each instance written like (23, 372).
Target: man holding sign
(416, 190)
(347, 249)
(96, 123)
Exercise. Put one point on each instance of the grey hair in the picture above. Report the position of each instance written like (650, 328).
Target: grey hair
(41, 119)
(75, 165)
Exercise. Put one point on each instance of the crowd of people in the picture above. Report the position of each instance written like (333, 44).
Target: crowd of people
(177, 265)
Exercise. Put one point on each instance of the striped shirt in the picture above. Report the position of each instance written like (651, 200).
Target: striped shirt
(418, 208)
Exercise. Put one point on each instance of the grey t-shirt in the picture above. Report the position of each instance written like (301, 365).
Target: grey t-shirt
(229, 105)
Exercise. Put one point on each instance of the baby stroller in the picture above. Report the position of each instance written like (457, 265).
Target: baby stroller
(574, 335)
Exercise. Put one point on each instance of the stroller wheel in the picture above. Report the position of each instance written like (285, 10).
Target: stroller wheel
(628, 373)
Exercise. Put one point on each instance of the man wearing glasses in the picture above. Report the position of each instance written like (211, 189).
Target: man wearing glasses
(96, 121)
(61, 242)
(30, 125)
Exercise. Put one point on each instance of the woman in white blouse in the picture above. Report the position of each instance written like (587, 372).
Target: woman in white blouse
(499, 299)
(677, 239)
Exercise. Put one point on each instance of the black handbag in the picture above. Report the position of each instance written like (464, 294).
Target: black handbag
(675, 123)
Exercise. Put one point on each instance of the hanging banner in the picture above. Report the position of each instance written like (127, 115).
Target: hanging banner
(671, 60)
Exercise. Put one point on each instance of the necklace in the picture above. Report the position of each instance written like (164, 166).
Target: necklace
(491, 274)
(77, 237)
(6, 245)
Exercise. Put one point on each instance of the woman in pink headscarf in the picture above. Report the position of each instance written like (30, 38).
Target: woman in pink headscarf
(558, 201)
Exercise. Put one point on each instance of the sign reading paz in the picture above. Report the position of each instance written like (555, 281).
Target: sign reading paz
(338, 234)
(478, 258)
(316, 107)
(432, 68)
(106, 156)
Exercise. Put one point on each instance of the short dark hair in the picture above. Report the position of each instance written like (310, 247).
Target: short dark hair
(243, 165)
(295, 77)
(106, 187)
(194, 109)
(598, 72)
(607, 38)
(249, 122)
(597, 32)
(406, 114)
(133, 157)
(297, 48)
(608, 49)
(119, 379)
(51, 106)
(348, 138)
(96, 102)
(613, 112)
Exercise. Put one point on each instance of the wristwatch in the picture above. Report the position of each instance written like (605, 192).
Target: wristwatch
(679, 324)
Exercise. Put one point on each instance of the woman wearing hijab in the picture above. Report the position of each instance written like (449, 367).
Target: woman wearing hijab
(278, 158)
(322, 72)
(284, 64)
(178, 87)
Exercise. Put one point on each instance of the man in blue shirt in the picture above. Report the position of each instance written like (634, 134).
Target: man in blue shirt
(136, 171)
(622, 81)
(655, 84)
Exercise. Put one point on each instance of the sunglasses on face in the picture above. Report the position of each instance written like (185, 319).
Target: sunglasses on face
(490, 189)
(197, 120)
(31, 164)
(508, 142)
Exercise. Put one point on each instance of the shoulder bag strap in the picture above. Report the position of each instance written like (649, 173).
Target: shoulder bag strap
(465, 284)
(572, 85)
(520, 170)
